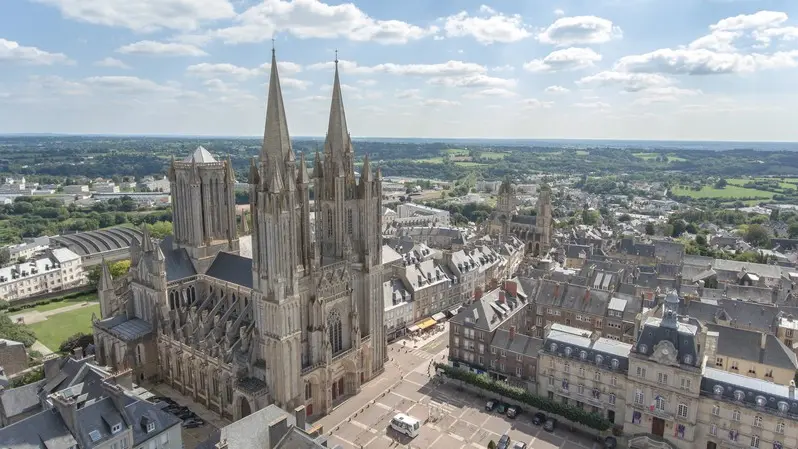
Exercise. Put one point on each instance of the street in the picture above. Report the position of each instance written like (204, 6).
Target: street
(456, 419)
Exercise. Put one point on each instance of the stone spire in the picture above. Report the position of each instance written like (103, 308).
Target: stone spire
(303, 177)
(254, 176)
(276, 141)
(276, 181)
(365, 172)
(337, 142)
(317, 169)
(106, 280)
(146, 240)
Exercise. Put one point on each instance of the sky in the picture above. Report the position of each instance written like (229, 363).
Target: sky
(582, 69)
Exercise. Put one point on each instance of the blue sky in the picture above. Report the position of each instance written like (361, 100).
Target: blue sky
(618, 69)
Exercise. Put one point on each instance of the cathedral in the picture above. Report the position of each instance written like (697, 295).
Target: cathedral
(299, 323)
(534, 230)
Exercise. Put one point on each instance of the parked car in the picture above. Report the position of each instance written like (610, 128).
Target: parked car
(501, 408)
(504, 442)
(513, 411)
(193, 422)
(491, 404)
(550, 425)
(162, 399)
(519, 445)
(610, 442)
(539, 418)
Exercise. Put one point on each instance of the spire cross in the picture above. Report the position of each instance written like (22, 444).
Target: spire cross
(336, 56)
(272, 45)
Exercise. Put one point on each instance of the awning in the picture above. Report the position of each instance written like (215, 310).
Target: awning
(440, 316)
(423, 324)
(412, 328)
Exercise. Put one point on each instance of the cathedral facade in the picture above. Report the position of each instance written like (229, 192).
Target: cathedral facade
(299, 323)
(534, 230)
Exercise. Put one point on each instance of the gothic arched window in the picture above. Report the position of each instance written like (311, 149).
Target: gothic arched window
(349, 224)
(329, 223)
(335, 328)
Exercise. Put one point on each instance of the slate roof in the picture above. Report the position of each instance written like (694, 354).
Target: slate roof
(684, 338)
(529, 220)
(40, 430)
(178, 264)
(252, 432)
(716, 381)
(142, 412)
(24, 399)
(570, 342)
(747, 345)
(519, 344)
(744, 314)
(573, 251)
(669, 252)
(487, 314)
(126, 329)
(577, 298)
(231, 268)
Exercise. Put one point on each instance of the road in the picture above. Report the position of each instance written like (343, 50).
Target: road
(456, 419)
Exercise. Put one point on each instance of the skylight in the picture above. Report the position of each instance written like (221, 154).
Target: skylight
(94, 435)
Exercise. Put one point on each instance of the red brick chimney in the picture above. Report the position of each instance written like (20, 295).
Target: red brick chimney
(587, 294)
(557, 290)
(511, 287)
(477, 293)
(512, 332)
(502, 300)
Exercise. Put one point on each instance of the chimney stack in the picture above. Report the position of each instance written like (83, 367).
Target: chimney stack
(77, 353)
(477, 293)
(512, 333)
(557, 290)
(763, 341)
(792, 389)
(501, 297)
(277, 430)
(587, 294)
(299, 415)
(511, 287)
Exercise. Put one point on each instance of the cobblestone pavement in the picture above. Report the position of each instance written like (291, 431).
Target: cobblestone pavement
(456, 419)
(192, 437)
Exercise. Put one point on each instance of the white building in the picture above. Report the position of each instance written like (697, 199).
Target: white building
(77, 189)
(106, 187)
(29, 249)
(61, 269)
(424, 213)
(398, 308)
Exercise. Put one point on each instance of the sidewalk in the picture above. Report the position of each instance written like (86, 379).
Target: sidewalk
(420, 342)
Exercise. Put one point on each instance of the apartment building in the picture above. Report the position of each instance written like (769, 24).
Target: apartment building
(61, 269)
(398, 313)
(754, 354)
(579, 368)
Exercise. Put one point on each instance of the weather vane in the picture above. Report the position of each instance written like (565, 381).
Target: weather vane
(336, 56)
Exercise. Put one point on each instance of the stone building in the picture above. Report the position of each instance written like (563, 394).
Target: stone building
(300, 323)
(534, 230)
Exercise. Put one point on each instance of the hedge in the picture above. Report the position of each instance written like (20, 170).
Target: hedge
(569, 412)
(13, 309)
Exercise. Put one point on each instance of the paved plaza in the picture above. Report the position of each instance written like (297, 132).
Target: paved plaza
(456, 419)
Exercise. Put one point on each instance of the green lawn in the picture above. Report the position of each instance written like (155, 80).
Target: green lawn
(652, 156)
(67, 302)
(457, 152)
(783, 185)
(57, 328)
(731, 191)
(492, 155)
(432, 160)
(469, 164)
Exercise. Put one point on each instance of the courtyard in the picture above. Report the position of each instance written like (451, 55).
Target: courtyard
(456, 420)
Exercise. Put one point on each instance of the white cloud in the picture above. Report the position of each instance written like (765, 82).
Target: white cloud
(315, 19)
(668, 94)
(434, 102)
(477, 80)
(111, 62)
(487, 29)
(11, 51)
(572, 58)
(767, 35)
(630, 82)
(559, 12)
(216, 70)
(161, 49)
(556, 90)
(592, 105)
(758, 20)
(534, 103)
(145, 15)
(293, 83)
(491, 93)
(129, 85)
(367, 82)
(703, 62)
(580, 30)
(503, 68)
(717, 40)
(408, 94)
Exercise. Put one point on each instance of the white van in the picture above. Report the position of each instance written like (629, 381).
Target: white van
(406, 425)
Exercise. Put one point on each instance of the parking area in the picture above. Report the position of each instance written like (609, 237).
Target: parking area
(198, 422)
(454, 419)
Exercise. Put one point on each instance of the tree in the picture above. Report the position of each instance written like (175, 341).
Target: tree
(118, 269)
(5, 256)
(757, 235)
(792, 230)
(491, 444)
(701, 240)
(625, 217)
(678, 228)
(79, 340)
(691, 228)
(774, 214)
(721, 183)
(650, 228)
(16, 331)
(160, 229)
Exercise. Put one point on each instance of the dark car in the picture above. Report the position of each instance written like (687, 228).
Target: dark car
(501, 408)
(551, 423)
(504, 442)
(491, 404)
(610, 443)
(513, 411)
(193, 422)
(519, 445)
(539, 418)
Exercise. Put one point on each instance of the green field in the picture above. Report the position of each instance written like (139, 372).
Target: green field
(652, 156)
(731, 191)
(432, 160)
(492, 155)
(469, 164)
(57, 328)
(457, 152)
(786, 184)
(68, 302)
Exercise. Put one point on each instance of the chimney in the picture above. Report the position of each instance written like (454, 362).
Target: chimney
(277, 430)
(511, 287)
(512, 333)
(478, 293)
(52, 366)
(792, 389)
(587, 294)
(501, 297)
(123, 378)
(66, 407)
(77, 353)
(557, 290)
(221, 444)
(763, 341)
(299, 415)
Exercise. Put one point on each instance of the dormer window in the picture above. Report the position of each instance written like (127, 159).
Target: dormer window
(116, 428)
(739, 395)
(150, 427)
